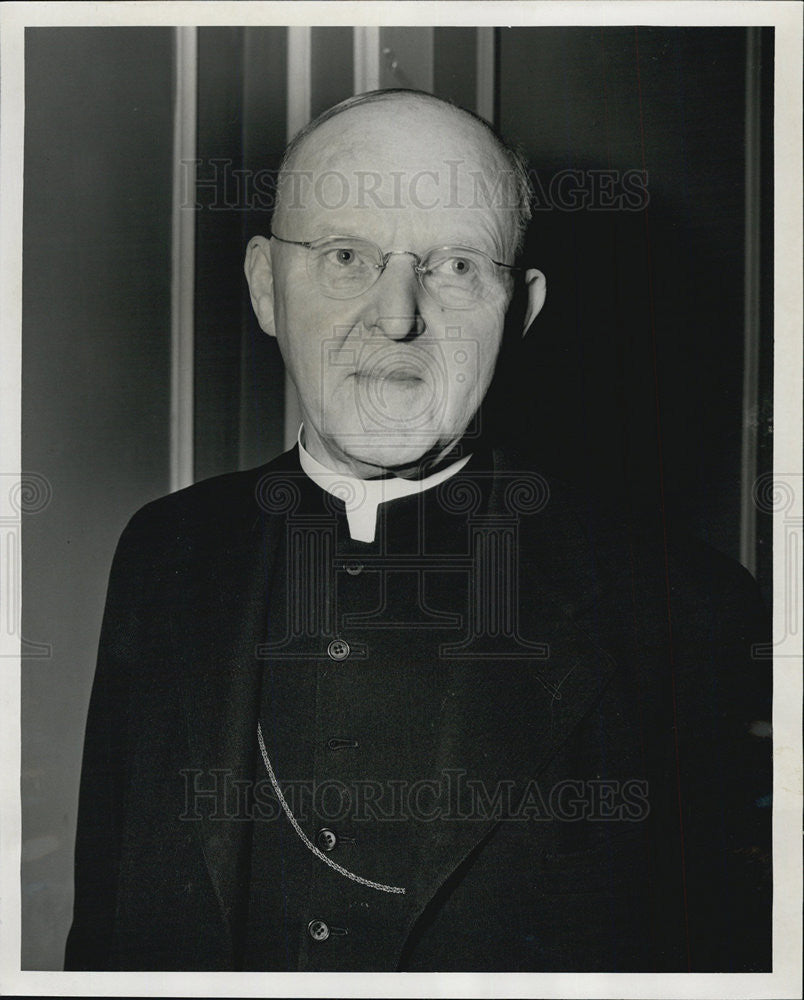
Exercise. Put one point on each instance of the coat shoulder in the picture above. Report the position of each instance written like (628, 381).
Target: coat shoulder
(212, 508)
(590, 547)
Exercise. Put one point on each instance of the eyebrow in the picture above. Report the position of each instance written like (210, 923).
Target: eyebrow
(490, 246)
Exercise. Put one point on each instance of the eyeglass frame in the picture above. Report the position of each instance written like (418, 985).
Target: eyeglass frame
(386, 256)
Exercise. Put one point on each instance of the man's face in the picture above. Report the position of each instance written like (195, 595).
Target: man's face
(389, 375)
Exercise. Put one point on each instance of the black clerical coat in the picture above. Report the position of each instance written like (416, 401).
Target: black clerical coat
(602, 781)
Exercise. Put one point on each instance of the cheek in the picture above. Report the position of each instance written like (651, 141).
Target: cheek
(480, 339)
(471, 364)
(309, 332)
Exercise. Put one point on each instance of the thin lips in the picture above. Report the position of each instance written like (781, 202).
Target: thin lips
(395, 375)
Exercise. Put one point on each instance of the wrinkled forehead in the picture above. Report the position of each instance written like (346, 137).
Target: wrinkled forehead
(421, 174)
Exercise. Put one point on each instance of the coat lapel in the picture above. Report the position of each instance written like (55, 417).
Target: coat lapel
(217, 629)
(504, 721)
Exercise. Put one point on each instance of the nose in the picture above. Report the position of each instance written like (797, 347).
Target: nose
(394, 305)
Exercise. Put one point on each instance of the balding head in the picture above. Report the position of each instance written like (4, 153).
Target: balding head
(385, 127)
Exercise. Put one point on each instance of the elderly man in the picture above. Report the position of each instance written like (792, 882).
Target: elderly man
(395, 700)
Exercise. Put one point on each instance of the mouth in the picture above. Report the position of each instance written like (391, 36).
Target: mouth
(400, 375)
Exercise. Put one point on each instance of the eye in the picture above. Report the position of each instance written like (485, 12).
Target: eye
(453, 267)
(344, 256)
(460, 266)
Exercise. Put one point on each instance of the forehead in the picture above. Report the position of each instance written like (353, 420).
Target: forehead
(399, 169)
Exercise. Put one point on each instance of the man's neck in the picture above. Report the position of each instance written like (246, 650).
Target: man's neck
(435, 458)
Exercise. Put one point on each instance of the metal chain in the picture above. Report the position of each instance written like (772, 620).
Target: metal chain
(306, 840)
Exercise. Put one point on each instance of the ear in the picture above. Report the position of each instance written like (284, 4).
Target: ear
(260, 277)
(536, 284)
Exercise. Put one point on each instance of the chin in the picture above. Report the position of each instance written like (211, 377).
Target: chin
(390, 451)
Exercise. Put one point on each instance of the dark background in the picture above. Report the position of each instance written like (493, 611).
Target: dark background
(630, 381)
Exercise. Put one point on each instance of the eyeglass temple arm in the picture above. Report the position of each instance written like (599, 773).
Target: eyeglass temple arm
(295, 243)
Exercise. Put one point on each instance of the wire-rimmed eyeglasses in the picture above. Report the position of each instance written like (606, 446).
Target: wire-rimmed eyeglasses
(455, 277)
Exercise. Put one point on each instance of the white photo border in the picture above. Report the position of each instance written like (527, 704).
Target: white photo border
(786, 18)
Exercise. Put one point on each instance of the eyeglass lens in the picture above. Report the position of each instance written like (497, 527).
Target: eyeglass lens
(456, 277)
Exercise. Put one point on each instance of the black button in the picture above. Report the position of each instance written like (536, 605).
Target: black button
(335, 744)
(338, 649)
(326, 839)
(318, 930)
(353, 568)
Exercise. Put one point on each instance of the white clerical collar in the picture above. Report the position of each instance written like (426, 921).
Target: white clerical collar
(362, 497)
